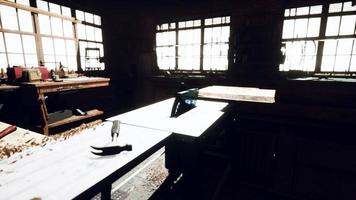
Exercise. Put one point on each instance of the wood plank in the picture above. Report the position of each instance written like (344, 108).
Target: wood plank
(74, 118)
(75, 169)
(4, 87)
(238, 94)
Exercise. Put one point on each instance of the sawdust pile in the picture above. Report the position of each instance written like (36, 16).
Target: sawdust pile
(156, 174)
(9, 149)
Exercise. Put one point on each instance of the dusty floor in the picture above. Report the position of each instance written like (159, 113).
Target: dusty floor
(141, 184)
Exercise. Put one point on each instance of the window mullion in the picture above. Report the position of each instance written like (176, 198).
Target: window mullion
(319, 54)
(177, 42)
(202, 45)
(38, 39)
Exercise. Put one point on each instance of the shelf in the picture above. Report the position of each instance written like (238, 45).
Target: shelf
(74, 118)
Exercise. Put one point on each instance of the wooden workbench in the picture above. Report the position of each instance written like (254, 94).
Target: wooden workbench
(43, 88)
(68, 169)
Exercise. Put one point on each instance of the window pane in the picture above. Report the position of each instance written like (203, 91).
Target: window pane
(353, 64)
(342, 63)
(164, 27)
(25, 20)
(47, 45)
(97, 20)
(347, 26)
(13, 43)
(59, 47)
(45, 26)
(3, 61)
(50, 62)
(327, 63)
(82, 46)
(43, 5)
(217, 20)
(335, 7)
(101, 47)
(54, 8)
(29, 44)
(72, 63)
(300, 28)
(61, 60)
(57, 28)
(344, 46)
(9, 17)
(330, 47)
(189, 24)
(23, 2)
(292, 12)
(348, 6)
(79, 15)
(89, 17)
(98, 36)
(332, 27)
(71, 50)
(286, 12)
(316, 9)
(189, 36)
(288, 29)
(68, 28)
(31, 60)
(2, 46)
(189, 57)
(16, 59)
(313, 27)
(208, 21)
(66, 11)
(81, 31)
(303, 11)
(90, 33)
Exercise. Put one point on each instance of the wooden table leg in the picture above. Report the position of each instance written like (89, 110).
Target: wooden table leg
(44, 113)
(106, 192)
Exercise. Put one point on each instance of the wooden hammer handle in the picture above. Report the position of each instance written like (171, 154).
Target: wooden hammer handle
(7, 131)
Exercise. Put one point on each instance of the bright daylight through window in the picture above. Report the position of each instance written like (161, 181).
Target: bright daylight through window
(320, 39)
(195, 45)
(47, 34)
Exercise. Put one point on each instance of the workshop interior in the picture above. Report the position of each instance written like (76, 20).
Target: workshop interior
(178, 99)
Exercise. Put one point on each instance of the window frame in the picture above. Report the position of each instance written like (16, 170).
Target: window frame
(321, 39)
(202, 26)
(62, 13)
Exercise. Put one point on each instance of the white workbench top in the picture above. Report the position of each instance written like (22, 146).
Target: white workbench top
(157, 116)
(65, 169)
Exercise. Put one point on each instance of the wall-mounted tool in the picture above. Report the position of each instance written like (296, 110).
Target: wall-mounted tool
(111, 150)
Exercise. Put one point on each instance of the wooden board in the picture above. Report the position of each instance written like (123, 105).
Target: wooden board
(238, 94)
(4, 87)
(66, 169)
(157, 116)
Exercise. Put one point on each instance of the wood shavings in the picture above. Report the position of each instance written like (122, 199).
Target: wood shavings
(8, 150)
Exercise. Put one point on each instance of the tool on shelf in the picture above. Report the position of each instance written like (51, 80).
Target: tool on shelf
(112, 150)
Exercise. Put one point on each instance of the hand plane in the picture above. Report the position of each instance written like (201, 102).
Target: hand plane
(111, 150)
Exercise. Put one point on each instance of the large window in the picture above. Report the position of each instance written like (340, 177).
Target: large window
(90, 40)
(194, 45)
(320, 39)
(46, 34)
